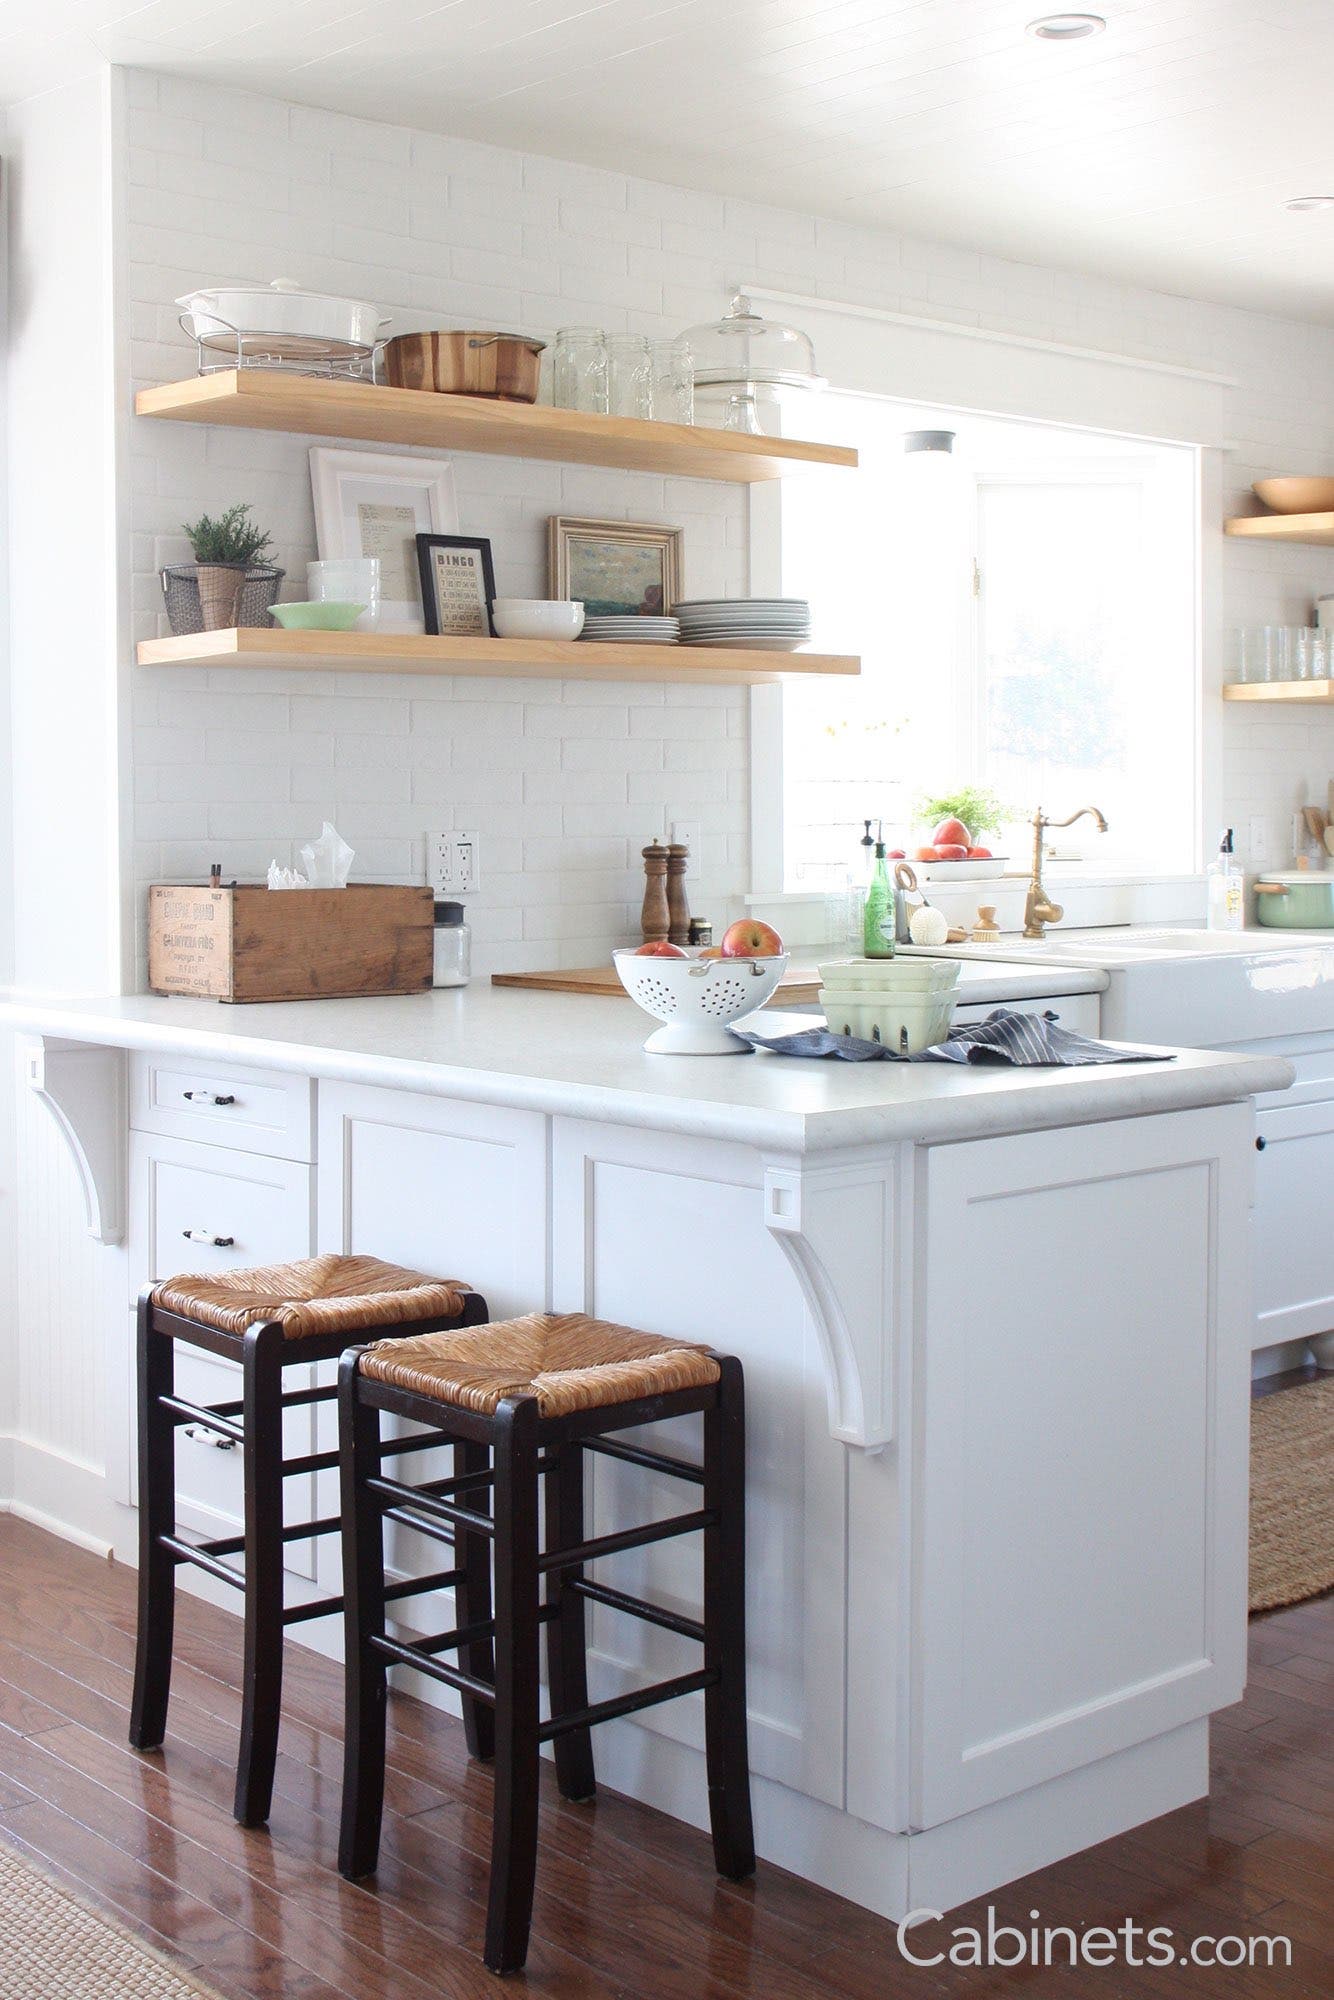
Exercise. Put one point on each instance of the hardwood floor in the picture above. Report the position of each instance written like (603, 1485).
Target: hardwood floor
(627, 1903)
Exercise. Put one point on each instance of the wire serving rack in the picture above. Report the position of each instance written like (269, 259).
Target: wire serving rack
(290, 353)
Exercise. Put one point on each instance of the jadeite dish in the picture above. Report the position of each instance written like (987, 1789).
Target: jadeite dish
(318, 615)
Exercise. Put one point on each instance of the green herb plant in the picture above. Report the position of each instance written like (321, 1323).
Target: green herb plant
(980, 810)
(232, 539)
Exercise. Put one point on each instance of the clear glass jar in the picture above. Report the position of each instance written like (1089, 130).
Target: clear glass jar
(629, 375)
(579, 369)
(673, 381)
(453, 946)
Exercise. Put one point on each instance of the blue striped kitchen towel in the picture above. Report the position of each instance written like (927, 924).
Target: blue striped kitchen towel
(1028, 1041)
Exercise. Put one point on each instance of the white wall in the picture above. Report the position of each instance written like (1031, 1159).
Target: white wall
(565, 781)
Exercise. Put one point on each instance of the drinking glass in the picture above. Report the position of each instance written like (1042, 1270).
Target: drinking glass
(1301, 653)
(673, 381)
(1320, 648)
(579, 380)
(629, 375)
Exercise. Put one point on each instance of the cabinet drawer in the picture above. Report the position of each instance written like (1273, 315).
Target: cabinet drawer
(258, 1110)
(207, 1208)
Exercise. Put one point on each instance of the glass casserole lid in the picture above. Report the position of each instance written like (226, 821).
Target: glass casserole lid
(743, 347)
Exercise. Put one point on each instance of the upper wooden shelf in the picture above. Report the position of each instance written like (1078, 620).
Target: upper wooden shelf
(1317, 529)
(1279, 691)
(417, 653)
(263, 400)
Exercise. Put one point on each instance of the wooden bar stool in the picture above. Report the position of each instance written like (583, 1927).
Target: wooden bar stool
(531, 1396)
(271, 1318)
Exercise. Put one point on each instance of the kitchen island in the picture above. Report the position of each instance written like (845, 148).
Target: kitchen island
(995, 1326)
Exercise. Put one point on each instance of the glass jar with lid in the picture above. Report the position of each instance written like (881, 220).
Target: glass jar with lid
(579, 369)
(629, 375)
(453, 946)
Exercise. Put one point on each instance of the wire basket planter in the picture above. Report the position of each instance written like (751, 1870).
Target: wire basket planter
(209, 597)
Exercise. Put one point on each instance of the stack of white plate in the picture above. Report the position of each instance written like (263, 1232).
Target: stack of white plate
(629, 629)
(778, 624)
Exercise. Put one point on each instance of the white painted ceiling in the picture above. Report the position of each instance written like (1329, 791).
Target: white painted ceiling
(1161, 151)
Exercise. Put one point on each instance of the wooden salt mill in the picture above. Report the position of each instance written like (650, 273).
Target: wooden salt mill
(654, 919)
(678, 909)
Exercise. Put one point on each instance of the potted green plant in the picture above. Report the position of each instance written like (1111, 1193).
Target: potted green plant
(229, 583)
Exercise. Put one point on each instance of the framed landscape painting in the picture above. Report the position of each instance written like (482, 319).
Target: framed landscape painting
(615, 567)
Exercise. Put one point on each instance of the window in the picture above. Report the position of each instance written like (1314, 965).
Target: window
(1025, 608)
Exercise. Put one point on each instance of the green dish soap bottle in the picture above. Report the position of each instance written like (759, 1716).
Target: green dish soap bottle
(878, 916)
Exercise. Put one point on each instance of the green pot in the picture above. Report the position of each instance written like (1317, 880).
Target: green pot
(1296, 900)
(319, 615)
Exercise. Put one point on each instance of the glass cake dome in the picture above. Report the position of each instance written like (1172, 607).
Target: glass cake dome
(744, 350)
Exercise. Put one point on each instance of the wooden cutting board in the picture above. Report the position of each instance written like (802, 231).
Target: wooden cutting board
(799, 982)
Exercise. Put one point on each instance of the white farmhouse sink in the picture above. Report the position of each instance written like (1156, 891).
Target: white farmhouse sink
(1194, 988)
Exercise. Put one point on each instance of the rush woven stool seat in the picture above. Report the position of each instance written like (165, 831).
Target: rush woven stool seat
(523, 1401)
(267, 1319)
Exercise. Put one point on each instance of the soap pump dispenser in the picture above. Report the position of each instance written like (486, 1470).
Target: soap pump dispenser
(1226, 905)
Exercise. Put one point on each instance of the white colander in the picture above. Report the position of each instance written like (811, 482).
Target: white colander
(697, 997)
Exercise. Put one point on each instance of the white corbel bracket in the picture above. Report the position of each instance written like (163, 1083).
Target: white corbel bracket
(841, 1230)
(82, 1085)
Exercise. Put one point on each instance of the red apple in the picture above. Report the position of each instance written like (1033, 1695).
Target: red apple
(660, 949)
(897, 854)
(749, 938)
(952, 850)
(951, 833)
(980, 854)
(927, 854)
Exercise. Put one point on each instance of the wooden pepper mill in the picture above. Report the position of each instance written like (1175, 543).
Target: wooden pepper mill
(654, 920)
(678, 909)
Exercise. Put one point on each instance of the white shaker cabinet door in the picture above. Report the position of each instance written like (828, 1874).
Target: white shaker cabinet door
(1079, 1482)
(1294, 1272)
(207, 1209)
(456, 1190)
(667, 1234)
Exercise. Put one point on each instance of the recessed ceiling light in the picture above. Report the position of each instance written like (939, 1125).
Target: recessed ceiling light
(1300, 203)
(1066, 27)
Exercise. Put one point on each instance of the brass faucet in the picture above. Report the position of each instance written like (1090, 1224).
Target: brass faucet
(1039, 910)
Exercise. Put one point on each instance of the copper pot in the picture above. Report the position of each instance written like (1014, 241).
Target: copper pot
(503, 365)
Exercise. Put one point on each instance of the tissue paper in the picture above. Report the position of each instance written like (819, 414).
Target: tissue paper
(286, 878)
(328, 860)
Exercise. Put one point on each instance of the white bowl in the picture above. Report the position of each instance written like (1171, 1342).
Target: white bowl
(697, 997)
(537, 618)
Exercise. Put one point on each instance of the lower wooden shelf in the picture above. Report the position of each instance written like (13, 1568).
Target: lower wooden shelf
(1279, 691)
(416, 653)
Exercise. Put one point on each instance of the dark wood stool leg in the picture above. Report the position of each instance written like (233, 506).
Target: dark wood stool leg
(725, 1626)
(514, 1821)
(365, 1668)
(261, 1705)
(472, 1597)
(157, 1517)
(567, 1665)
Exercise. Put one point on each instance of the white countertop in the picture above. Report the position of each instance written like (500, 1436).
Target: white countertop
(583, 1057)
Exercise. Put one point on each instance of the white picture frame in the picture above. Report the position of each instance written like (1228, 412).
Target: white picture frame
(373, 503)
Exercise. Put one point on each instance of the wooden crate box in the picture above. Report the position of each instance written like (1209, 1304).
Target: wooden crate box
(253, 943)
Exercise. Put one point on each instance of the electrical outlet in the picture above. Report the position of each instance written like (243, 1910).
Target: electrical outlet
(453, 866)
(686, 832)
(1257, 841)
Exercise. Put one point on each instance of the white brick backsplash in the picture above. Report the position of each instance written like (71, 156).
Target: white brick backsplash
(239, 766)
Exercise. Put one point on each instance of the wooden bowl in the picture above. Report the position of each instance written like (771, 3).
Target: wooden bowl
(503, 366)
(1296, 496)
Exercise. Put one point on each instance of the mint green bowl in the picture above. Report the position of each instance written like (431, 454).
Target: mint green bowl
(317, 616)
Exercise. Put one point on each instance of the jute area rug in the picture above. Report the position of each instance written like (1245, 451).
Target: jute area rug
(1292, 1494)
(53, 1947)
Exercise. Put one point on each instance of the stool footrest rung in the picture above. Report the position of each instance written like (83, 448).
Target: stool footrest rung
(203, 1559)
(315, 1461)
(323, 1607)
(425, 1501)
(628, 1538)
(410, 1656)
(652, 1461)
(416, 1586)
(202, 1413)
(635, 1607)
(434, 1531)
(628, 1704)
